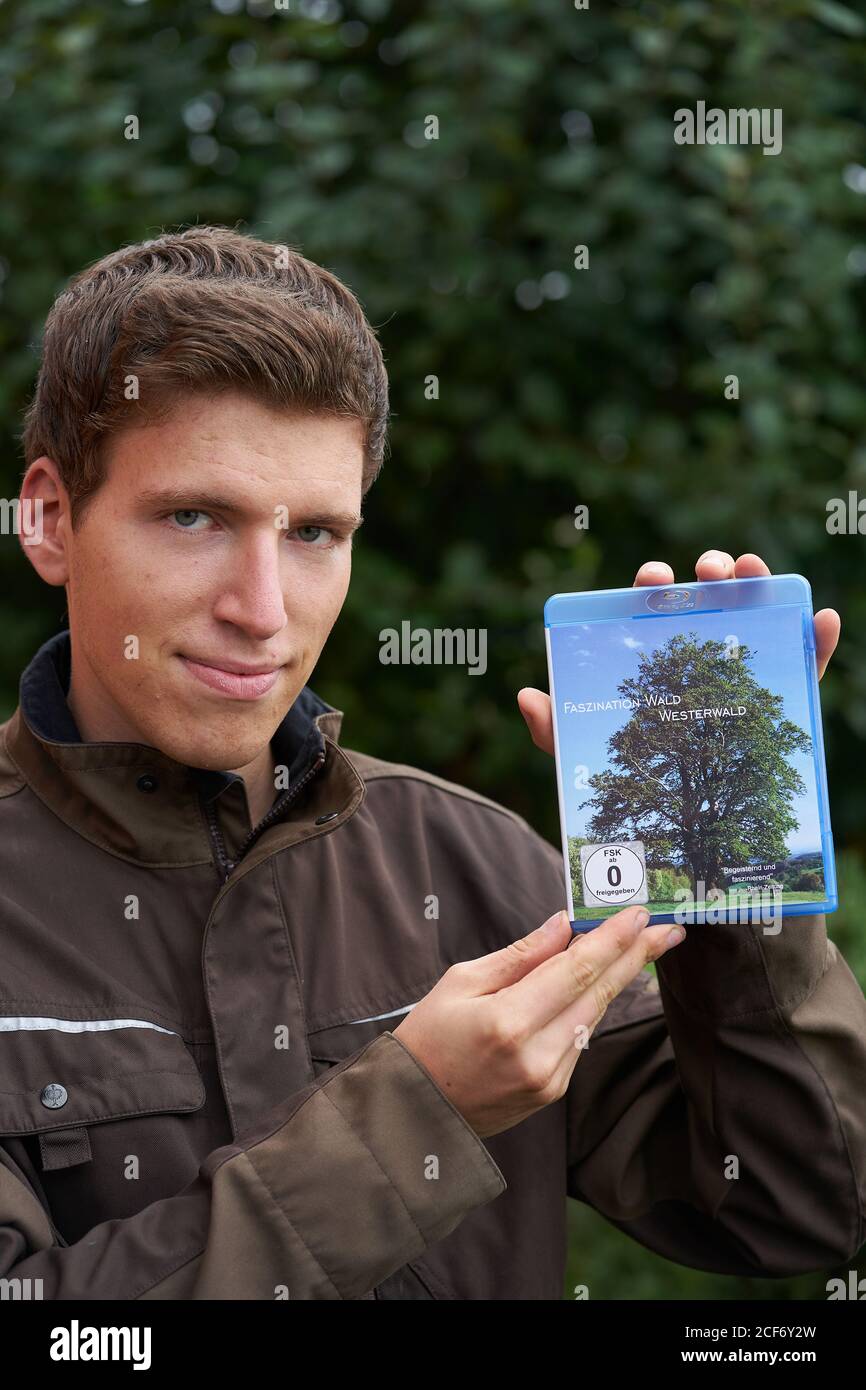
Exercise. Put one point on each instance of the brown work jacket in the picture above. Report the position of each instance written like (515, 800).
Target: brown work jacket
(201, 1095)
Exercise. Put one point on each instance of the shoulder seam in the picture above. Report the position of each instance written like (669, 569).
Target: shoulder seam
(406, 773)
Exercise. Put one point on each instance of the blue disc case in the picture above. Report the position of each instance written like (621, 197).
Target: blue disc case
(689, 752)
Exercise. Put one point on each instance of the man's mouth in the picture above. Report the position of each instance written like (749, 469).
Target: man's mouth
(235, 679)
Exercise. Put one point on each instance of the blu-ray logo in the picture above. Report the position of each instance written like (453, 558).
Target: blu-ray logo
(671, 600)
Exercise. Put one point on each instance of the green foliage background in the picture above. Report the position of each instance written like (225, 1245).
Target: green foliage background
(557, 387)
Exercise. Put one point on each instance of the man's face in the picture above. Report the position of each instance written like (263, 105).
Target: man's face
(220, 541)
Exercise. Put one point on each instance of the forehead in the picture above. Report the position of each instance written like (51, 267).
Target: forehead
(237, 446)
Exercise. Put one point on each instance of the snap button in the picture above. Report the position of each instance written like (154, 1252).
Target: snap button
(330, 815)
(54, 1096)
(147, 783)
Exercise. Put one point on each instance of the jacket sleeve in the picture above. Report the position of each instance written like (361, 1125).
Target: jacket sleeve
(720, 1117)
(332, 1191)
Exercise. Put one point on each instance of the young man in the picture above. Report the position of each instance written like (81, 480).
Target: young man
(237, 1057)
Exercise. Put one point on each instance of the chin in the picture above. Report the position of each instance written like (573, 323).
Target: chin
(221, 753)
(210, 732)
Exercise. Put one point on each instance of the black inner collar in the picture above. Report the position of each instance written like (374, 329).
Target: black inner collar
(45, 685)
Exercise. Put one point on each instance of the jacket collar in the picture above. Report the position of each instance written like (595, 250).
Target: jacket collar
(136, 801)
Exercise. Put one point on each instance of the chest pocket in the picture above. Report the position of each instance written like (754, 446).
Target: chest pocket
(59, 1076)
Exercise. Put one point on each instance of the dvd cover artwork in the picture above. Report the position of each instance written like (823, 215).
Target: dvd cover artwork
(687, 764)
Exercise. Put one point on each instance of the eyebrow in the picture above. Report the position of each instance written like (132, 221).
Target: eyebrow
(193, 499)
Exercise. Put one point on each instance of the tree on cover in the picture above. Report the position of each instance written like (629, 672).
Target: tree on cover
(700, 793)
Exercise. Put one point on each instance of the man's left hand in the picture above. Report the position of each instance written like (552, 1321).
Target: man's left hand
(713, 564)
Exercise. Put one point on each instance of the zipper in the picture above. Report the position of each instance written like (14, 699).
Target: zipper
(226, 865)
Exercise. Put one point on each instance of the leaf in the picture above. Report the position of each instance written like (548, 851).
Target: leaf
(838, 17)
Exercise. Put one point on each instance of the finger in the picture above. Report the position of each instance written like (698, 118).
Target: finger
(557, 982)
(535, 707)
(828, 625)
(568, 1035)
(499, 969)
(714, 564)
(653, 572)
(750, 567)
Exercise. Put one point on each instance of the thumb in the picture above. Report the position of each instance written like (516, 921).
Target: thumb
(535, 707)
(508, 965)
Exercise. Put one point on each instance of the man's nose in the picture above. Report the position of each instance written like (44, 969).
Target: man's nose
(252, 593)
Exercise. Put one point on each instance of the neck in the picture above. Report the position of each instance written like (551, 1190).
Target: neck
(259, 778)
(97, 722)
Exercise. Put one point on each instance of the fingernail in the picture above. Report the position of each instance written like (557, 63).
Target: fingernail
(554, 923)
(674, 937)
(641, 917)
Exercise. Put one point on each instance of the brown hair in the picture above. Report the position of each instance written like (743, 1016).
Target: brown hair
(203, 310)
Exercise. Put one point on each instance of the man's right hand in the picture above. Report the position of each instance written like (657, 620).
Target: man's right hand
(501, 1035)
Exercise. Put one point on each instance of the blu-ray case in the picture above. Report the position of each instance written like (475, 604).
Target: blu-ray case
(689, 751)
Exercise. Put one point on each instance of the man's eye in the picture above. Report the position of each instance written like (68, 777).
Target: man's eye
(317, 536)
(186, 518)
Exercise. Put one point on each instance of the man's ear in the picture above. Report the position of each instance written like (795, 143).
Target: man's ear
(44, 521)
